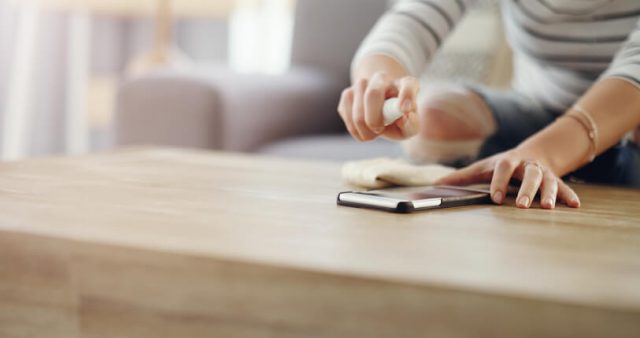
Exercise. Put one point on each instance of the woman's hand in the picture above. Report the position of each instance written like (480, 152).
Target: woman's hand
(361, 105)
(533, 175)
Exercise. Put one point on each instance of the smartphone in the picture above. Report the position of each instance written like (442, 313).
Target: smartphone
(410, 199)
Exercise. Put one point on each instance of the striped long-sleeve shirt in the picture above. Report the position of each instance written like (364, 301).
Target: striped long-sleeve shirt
(560, 46)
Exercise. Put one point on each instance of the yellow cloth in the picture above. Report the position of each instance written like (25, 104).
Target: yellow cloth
(384, 172)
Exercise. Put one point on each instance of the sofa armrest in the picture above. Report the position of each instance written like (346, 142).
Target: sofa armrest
(169, 108)
(259, 109)
(221, 109)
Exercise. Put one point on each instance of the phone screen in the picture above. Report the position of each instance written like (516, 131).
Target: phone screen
(413, 194)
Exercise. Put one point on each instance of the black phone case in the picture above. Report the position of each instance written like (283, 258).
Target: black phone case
(404, 207)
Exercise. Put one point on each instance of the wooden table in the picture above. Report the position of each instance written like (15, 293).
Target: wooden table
(172, 243)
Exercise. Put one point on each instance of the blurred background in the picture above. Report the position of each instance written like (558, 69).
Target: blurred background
(243, 75)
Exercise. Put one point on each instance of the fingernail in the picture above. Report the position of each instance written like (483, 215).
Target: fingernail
(524, 201)
(409, 128)
(497, 197)
(549, 202)
(406, 105)
(378, 130)
(575, 202)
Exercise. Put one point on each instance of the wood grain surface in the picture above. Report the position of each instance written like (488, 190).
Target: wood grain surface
(156, 242)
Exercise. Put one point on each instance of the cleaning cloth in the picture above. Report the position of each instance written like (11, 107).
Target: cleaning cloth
(383, 172)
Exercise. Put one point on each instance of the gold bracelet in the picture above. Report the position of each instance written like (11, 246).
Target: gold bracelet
(583, 117)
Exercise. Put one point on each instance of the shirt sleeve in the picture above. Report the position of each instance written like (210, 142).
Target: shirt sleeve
(412, 31)
(626, 63)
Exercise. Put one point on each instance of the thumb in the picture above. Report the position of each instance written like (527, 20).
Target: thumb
(408, 88)
(408, 124)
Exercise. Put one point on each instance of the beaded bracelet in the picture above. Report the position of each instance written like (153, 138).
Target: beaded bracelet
(583, 117)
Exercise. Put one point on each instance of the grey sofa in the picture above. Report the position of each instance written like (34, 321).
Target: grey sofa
(289, 115)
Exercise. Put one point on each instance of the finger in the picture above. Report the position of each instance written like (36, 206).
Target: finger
(567, 195)
(344, 110)
(410, 126)
(404, 128)
(475, 173)
(502, 174)
(393, 132)
(374, 97)
(548, 190)
(358, 111)
(531, 180)
(408, 88)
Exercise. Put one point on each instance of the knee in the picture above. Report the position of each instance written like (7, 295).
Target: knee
(452, 114)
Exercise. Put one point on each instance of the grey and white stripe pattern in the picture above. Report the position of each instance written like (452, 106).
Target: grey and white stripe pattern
(560, 46)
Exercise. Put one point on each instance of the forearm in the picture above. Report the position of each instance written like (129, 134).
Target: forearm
(564, 145)
(369, 65)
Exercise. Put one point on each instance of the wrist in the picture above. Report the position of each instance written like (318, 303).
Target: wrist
(371, 64)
